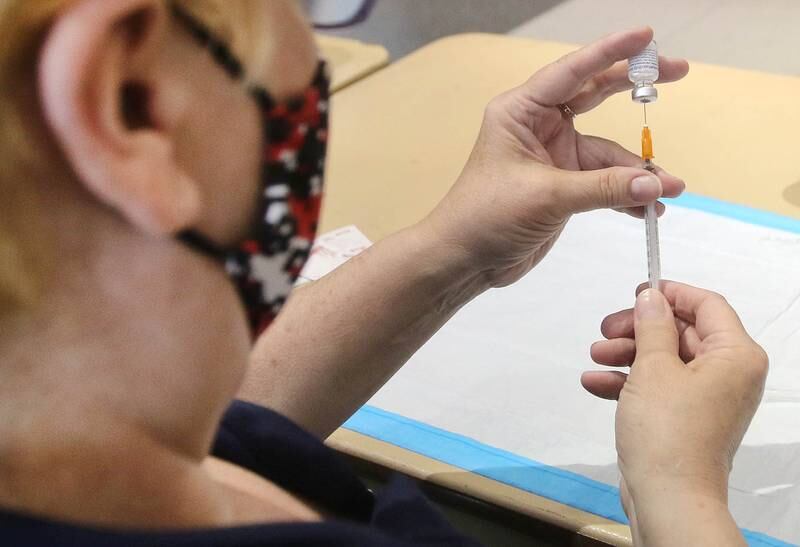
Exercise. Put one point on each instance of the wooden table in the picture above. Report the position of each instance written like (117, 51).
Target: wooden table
(401, 136)
(350, 60)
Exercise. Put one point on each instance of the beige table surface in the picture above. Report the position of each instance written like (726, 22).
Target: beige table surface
(400, 138)
(350, 60)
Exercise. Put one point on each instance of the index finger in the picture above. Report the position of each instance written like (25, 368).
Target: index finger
(558, 82)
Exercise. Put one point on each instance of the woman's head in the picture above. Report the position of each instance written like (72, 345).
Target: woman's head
(119, 131)
(132, 114)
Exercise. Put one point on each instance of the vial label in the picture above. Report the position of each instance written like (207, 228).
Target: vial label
(646, 61)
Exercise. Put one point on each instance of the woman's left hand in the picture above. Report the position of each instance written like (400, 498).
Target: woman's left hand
(530, 170)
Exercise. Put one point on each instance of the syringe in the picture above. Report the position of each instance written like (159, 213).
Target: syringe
(643, 72)
(650, 214)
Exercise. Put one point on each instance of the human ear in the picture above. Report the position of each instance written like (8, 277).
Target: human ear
(96, 89)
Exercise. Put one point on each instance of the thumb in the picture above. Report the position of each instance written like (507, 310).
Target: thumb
(654, 326)
(614, 187)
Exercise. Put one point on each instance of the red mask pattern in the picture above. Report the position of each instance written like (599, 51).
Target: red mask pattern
(266, 264)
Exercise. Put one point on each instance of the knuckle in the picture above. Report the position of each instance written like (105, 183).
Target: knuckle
(496, 107)
(567, 63)
(751, 363)
(607, 188)
(655, 358)
(551, 196)
(717, 298)
(758, 363)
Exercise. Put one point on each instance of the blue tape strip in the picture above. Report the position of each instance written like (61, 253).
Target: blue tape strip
(531, 476)
(735, 211)
(757, 539)
(487, 461)
(502, 466)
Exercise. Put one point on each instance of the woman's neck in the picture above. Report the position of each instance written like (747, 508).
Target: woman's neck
(87, 467)
(112, 388)
(81, 465)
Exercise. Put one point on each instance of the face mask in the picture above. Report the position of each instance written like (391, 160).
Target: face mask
(265, 266)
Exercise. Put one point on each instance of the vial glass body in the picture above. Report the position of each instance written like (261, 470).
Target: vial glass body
(643, 72)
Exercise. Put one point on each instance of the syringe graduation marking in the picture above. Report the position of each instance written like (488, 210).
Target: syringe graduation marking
(651, 217)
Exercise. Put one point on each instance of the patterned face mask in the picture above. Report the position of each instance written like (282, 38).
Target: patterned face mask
(266, 264)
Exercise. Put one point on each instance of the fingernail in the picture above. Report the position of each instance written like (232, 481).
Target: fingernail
(645, 188)
(651, 304)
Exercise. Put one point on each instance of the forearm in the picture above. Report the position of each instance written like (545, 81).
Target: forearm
(338, 340)
(665, 517)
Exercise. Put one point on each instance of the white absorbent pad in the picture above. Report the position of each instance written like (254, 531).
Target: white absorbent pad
(497, 390)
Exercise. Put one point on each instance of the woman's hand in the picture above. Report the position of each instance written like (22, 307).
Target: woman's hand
(530, 169)
(695, 383)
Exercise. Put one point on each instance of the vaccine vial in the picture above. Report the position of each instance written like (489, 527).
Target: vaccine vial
(643, 72)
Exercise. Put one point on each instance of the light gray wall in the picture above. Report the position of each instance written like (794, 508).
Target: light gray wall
(405, 25)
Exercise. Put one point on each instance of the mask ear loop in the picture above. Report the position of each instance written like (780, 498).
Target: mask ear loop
(299, 172)
(234, 68)
(218, 49)
(203, 245)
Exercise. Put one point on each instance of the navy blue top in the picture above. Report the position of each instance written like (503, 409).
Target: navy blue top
(272, 446)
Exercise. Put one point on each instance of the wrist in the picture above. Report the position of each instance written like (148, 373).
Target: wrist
(447, 258)
(670, 490)
(683, 516)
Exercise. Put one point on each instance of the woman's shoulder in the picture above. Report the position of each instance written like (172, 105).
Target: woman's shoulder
(269, 444)
(268, 447)
(272, 446)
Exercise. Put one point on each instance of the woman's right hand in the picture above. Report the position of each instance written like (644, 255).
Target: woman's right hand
(696, 380)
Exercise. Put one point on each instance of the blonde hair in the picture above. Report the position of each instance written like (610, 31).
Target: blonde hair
(26, 151)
